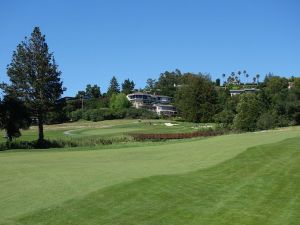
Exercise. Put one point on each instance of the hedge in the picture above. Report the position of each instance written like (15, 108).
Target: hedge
(142, 136)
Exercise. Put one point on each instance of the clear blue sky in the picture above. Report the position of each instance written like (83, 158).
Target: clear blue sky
(138, 39)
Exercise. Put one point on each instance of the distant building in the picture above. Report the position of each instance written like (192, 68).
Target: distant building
(141, 100)
(165, 109)
(241, 91)
(157, 103)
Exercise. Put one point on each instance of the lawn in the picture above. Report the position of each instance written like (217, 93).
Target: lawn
(202, 181)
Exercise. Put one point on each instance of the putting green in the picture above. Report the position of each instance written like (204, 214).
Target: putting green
(30, 181)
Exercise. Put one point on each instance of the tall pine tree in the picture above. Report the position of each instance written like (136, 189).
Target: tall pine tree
(34, 77)
(114, 87)
(127, 86)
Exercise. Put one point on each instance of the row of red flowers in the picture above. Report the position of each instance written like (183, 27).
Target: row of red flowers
(142, 136)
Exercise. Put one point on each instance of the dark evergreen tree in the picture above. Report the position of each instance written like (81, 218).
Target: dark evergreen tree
(14, 115)
(168, 82)
(127, 86)
(92, 91)
(114, 87)
(150, 85)
(80, 94)
(34, 77)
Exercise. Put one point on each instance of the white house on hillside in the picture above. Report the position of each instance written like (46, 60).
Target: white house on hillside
(165, 109)
(157, 103)
(241, 91)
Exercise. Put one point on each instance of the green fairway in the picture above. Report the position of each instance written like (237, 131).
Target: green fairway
(100, 185)
(260, 186)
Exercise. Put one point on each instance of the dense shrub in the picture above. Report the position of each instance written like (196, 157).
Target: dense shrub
(31, 144)
(267, 120)
(248, 110)
(119, 114)
(76, 115)
(86, 115)
(119, 101)
(283, 121)
(108, 114)
(96, 103)
(297, 118)
(96, 115)
(225, 117)
(56, 117)
(196, 98)
(133, 113)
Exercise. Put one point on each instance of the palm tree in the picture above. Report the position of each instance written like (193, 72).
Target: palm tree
(231, 78)
(239, 73)
(247, 76)
(254, 80)
(257, 78)
(239, 76)
(223, 76)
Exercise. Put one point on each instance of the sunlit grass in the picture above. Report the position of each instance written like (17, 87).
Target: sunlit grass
(259, 186)
(34, 180)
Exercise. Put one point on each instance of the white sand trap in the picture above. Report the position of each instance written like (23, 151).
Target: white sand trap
(203, 126)
(171, 124)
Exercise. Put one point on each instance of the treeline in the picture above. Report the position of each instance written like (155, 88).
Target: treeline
(92, 105)
(198, 99)
(276, 102)
(111, 114)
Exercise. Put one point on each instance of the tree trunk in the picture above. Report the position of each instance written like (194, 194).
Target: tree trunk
(41, 127)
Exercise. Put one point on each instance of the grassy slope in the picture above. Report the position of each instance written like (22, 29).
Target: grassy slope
(259, 186)
(33, 180)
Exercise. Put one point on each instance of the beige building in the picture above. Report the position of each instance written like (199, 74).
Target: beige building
(158, 103)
